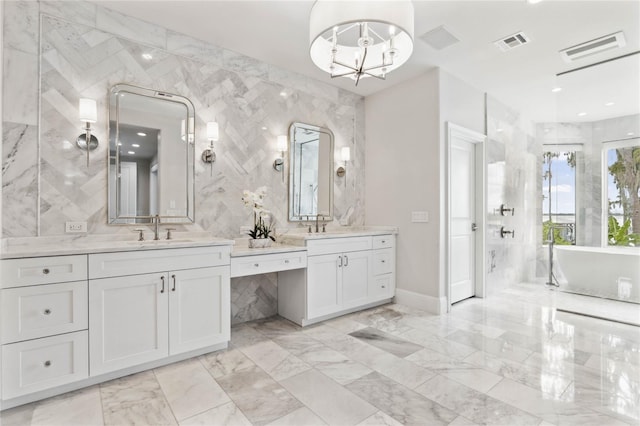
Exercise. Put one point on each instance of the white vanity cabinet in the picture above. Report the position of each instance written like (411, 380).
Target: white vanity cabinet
(343, 275)
(44, 323)
(149, 305)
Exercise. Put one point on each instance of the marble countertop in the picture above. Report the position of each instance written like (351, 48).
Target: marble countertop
(298, 238)
(241, 248)
(12, 248)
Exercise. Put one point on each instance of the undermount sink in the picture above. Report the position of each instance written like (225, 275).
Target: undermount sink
(160, 242)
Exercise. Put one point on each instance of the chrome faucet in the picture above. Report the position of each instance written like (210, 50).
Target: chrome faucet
(317, 216)
(156, 220)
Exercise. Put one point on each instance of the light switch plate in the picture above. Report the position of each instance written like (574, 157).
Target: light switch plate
(75, 227)
(420, 217)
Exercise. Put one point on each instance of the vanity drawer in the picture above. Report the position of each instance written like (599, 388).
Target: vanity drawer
(337, 245)
(104, 265)
(41, 364)
(42, 270)
(265, 263)
(384, 241)
(383, 261)
(44, 310)
(382, 287)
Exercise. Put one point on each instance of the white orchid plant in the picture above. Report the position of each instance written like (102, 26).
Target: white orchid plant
(255, 202)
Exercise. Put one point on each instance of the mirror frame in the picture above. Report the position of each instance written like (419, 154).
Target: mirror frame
(190, 187)
(292, 166)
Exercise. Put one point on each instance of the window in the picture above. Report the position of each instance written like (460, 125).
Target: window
(559, 195)
(622, 160)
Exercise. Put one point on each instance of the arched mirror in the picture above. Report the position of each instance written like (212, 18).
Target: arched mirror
(151, 156)
(310, 172)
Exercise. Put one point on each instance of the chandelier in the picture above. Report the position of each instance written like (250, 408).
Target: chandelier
(360, 38)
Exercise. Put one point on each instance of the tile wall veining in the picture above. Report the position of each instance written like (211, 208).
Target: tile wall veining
(511, 178)
(78, 49)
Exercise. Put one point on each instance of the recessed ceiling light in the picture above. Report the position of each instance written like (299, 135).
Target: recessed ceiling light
(135, 145)
(609, 104)
(264, 127)
(582, 114)
(630, 134)
(499, 130)
(141, 134)
(283, 94)
(147, 56)
(556, 89)
(131, 152)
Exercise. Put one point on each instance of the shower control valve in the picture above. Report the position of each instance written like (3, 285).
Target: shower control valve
(504, 232)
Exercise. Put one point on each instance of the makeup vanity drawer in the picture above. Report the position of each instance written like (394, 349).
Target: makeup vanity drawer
(42, 270)
(264, 263)
(383, 261)
(41, 364)
(43, 310)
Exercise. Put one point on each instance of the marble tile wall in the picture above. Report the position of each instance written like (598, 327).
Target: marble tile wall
(511, 177)
(57, 52)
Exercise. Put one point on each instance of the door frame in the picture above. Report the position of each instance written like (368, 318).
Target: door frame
(454, 130)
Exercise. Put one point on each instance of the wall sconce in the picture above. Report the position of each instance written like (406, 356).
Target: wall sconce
(345, 154)
(88, 113)
(278, 163)
(190, 129)
(213, 134)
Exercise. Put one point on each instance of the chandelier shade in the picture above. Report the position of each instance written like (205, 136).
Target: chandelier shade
(360, 38)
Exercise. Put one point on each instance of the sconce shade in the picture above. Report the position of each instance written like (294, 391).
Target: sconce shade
(345, 153)
(212, 131)
(282, 143)
(87, 110)
(360, 38)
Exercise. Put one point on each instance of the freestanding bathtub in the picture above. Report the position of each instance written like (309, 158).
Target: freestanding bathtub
(611, 272)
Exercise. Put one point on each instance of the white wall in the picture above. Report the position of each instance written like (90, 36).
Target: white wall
(405, 168)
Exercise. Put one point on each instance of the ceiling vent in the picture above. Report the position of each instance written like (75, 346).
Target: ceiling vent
(512, 41)
(439, 38)
(611, 41)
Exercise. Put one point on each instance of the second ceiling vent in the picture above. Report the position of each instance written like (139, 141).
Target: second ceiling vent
(579, 51)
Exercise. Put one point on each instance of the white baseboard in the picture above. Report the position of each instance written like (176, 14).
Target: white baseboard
(434, 305)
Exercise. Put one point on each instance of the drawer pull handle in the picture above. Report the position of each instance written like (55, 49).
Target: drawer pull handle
(346, 260)
(173, 277)
(286, 261)
(46, 271)
(47, 363)
(384, 241)
(383, 287)
(162, 289)
(256, 265)
(47, 311)
(383, 261)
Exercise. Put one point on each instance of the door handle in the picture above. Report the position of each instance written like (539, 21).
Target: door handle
(340, 265)
(346, 260)
(162, 279)
(173, 277)
(474, 227)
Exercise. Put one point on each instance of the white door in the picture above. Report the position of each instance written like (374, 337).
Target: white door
(199, 308)
(324, 276)
(355, 278)
(128, 321)
(462, 218)
(128, 189)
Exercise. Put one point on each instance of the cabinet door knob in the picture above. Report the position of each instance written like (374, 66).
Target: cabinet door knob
(286, 261)
(383, 261)
(383, 287)
(384, 241)
(162, 279)
(47, 311)
(256, 265)
(173, 277)
(47, 363)
(46, 271)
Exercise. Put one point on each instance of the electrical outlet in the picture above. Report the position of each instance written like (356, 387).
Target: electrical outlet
(420, 217)
(73, 227)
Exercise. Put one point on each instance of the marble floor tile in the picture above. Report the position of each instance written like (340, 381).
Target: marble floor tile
(439, 344)
(226, 414)
(135, 399)
(498, 347)
(301, 416)
(472, 376)
(81, 407)
(18, 416)
(274, 360)
(380, 419)
(261, 399)
(394, 345)
(474, 405)
(336, 406)
(552, 410)
(343, 372)
(402, 404)
(225, 362)
(189, 388)
(462, 421)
